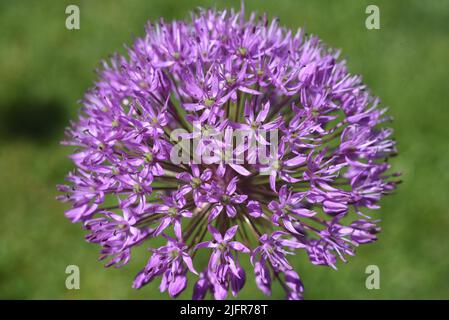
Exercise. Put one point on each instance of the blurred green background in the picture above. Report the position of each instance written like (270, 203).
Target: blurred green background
(45, 68)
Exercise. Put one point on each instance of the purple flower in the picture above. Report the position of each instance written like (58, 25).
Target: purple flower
(222, 246)
(196, 182)
(202, 286)
(289, 209)
(254, 209)
(279, 166)
(272, 250)
(311, 156)
(294, 285)
(170, 261)
(263, 278)
(116, 234)
(255, 124)
(172, 211)
(225, 199)
(223, 268)
(362, 231)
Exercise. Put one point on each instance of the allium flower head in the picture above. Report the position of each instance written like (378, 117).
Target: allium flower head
(157, 155)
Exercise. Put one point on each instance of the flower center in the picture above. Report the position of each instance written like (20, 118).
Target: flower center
(286, 208)
(137, 188)
(172, 212)
(148, 157)
(276, 165)
(242, 51)
(230, 80)
(174, 254)
(255, 126)
(209, 102)
(225, 199)
(206, 130)
(196, 182)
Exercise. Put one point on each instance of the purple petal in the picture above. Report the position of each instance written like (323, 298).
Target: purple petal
(215, 233)
(288, 224)
(195, 170)
(254, 209)
(334, 207)
(239, 198)
(232, 186)
(230, 233)
(189, 263)
(240, 169)
(215, 212)
(177, 286)
(220, 292)
(231, 212)
(264, 112)
(201, 287)
(304, 212)
(185, 176)
(273, 181)
(237, 283)
(214, 258)
(263, 279)
(239, 247)
(205, 244)
(177, 228)
(162, 226)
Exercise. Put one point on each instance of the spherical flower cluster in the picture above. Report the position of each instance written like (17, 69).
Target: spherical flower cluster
(314, 156)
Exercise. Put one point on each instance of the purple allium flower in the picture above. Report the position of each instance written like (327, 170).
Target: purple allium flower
(311, 163)
(223, 267)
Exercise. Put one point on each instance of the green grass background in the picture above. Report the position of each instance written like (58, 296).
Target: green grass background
(45, 68)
